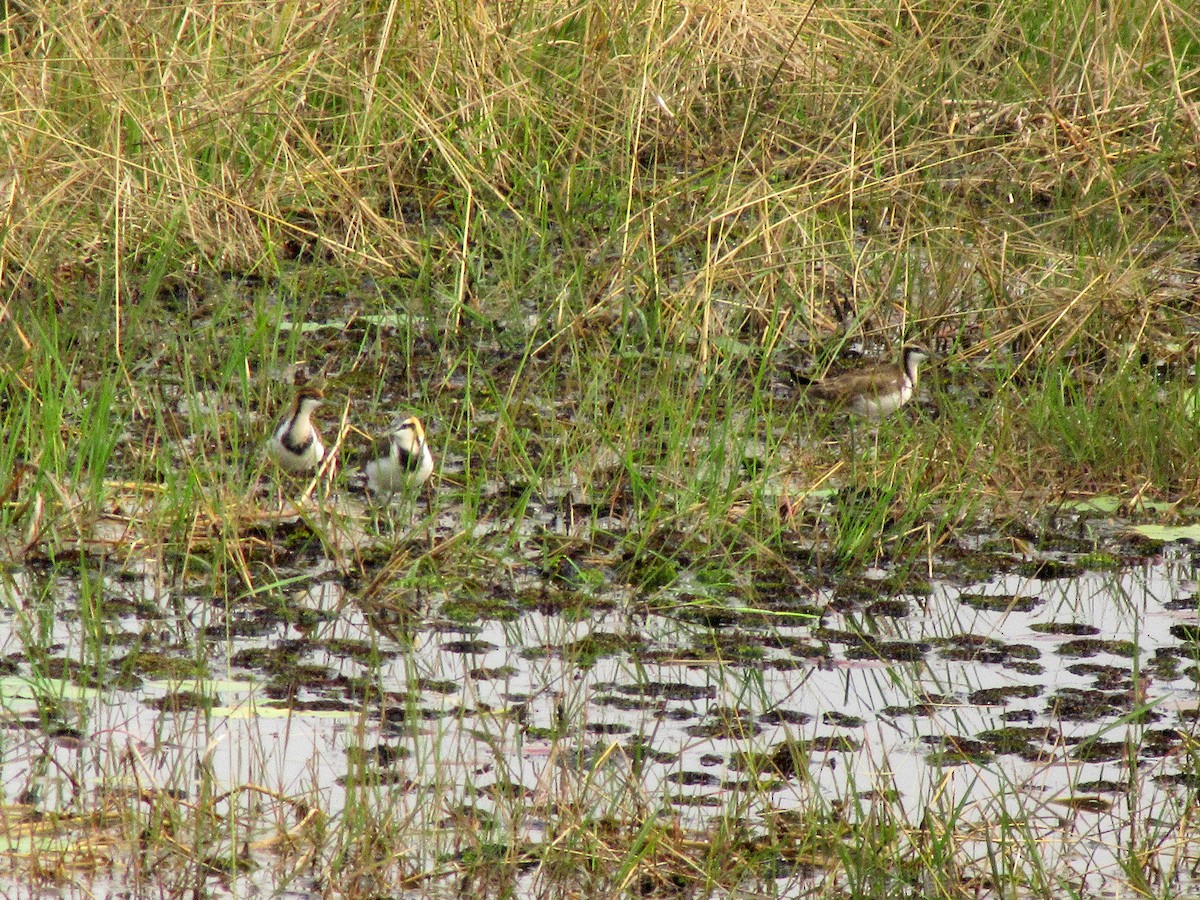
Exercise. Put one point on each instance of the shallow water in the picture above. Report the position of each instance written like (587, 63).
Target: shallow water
(885, 700)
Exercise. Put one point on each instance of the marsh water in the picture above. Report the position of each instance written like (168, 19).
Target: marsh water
(1052, 687)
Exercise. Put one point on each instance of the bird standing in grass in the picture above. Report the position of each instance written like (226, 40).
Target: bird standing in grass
(295, 446)
(873, 391)
(407, 464)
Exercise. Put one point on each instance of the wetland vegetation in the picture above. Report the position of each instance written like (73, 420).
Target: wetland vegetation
(658, 625)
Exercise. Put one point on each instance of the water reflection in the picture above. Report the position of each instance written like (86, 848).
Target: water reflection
(1062, 703)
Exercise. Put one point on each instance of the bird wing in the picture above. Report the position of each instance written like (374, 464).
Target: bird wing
(869, 382)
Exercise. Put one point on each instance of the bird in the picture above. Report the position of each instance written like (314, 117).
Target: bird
(872, 391)
(295, 446)
(408, 463)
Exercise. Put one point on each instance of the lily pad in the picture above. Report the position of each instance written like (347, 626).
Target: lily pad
(1110, 505)
(1168, 533)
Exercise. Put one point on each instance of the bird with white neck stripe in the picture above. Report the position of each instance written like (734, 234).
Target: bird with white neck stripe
(872, 391)
(295, 446)
(407, 464)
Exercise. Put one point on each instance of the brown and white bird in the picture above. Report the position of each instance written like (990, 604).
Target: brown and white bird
(295, 446)
(407, 464)
(873, 391)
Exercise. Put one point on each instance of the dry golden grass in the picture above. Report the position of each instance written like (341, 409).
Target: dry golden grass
(750, 163)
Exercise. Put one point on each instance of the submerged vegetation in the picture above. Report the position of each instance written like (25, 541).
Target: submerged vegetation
(593, 246)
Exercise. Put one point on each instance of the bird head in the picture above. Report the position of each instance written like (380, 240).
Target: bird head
(308, 398)
(409, 435)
